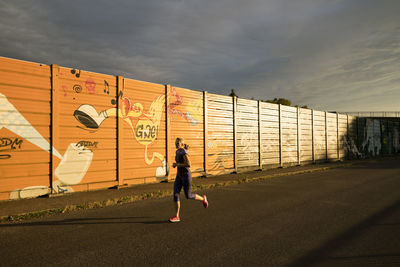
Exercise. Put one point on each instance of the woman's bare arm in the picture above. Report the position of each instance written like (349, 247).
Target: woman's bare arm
(186, 163)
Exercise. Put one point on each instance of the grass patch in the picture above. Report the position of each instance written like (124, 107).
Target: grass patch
(150, 195)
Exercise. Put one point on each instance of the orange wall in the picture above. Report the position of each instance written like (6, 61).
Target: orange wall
(25, 115)
(66, 130)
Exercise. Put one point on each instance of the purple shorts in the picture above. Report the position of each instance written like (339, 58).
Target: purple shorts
(185, 181)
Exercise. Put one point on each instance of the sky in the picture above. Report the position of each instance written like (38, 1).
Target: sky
(331, 55)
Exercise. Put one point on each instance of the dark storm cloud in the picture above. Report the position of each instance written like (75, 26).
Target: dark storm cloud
(327, 54)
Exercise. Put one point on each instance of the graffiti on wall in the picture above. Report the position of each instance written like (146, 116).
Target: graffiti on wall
(9, 144)
(351, 148)
(194, 108)
(372, 137)
(145, 125)
(73, 166)
(390, 138)
(223, 157)
(88, 144)
(396, 143)
(70, 170)
(220, 163)
(90, 86)
(246, 144)
(12, 119)
(77, 88)
(106, 87)
(75, 72)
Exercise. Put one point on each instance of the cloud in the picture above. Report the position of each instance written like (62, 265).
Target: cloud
(329, 55)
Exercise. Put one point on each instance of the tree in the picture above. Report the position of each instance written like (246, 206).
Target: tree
(305, 106)
(282, 101)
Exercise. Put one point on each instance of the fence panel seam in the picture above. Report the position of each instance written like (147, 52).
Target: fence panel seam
(120, 88)
(168, 155)
(280, 136)
(313, 135)
(235, 152)
(54, 121)
(260, 156)
(205, 132)
(298, 137)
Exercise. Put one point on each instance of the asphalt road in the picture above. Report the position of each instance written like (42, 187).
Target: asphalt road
(342, 217)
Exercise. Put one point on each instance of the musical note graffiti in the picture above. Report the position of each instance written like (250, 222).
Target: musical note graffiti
(76, 72)
(106, 87)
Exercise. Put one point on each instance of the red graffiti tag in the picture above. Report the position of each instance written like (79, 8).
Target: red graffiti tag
(64, 89)
(90, 86)
(171, 107)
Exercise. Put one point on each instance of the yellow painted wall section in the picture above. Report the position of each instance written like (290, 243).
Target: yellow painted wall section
(319, 135)
(332, 137)
(289, 134)
(220, 134)
(343, 140)
(270, 133)
(306, 136)
(247, 132)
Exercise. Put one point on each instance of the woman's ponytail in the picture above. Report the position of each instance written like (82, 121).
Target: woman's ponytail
(186, 146)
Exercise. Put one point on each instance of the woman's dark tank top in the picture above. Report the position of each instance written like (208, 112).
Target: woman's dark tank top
(179, 158)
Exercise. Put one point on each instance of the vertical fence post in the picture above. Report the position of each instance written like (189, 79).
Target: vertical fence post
(347, 135)
(235, 152)
(326, 136)
(54, 121)
(205, 132)
(357, 141)
(260, 155)
(337, 136)
(280, 136)
(167, 131)
(373, 137)
(313, 135)
(298, 137)
(120, 88)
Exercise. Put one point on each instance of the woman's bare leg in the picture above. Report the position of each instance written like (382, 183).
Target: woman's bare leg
(177, 208)
(198, 197)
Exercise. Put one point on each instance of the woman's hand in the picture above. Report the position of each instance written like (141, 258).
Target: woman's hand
(174, 164)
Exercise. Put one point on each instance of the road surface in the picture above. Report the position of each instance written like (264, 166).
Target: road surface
(341, 217)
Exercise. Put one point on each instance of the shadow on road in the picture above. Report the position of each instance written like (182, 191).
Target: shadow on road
(322, 253)
(89, 221)
(378, 163)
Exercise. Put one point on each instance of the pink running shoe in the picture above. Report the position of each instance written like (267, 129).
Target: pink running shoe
(205, 202)
(175, 219)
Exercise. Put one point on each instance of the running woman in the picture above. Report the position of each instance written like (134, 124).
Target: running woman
(183, 178)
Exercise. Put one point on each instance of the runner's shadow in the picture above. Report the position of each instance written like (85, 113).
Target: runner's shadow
(86, 221)
(155, 222)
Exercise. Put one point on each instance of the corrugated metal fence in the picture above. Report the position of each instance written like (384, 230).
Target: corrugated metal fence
(65, 130)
